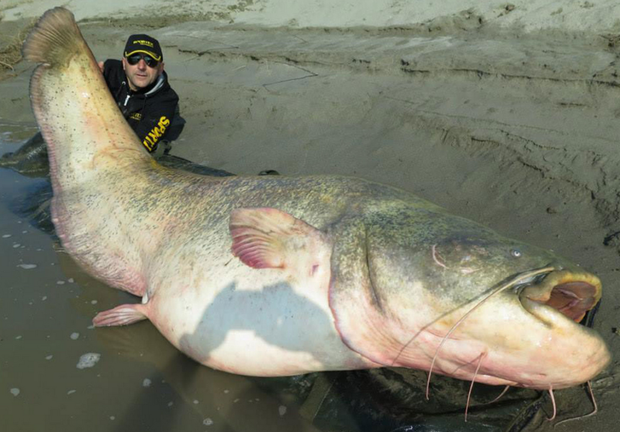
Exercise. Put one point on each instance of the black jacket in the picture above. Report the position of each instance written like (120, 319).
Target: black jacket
(150, 111)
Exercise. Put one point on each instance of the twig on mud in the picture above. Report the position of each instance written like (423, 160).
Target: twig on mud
(11, 54)
(8, 66)
(310, 75)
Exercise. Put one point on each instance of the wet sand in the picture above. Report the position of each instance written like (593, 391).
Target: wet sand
(511, 124)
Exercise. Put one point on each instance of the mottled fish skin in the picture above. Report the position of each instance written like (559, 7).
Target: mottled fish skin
(275, 276)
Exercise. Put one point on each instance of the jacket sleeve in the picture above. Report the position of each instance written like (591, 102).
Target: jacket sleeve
(155, 121)
(112, 73)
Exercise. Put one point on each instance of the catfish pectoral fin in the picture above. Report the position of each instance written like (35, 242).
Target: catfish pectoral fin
(270, 238)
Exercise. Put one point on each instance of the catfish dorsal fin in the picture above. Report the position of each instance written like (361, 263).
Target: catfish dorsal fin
(271, 238)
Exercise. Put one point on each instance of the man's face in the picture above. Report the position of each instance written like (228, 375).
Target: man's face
(140, 75)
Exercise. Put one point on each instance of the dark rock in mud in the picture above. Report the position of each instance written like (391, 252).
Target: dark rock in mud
(30, 160)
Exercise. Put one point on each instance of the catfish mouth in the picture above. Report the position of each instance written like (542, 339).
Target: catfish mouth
(572, 294)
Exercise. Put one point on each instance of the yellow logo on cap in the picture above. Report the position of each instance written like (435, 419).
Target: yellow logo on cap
(144, 42)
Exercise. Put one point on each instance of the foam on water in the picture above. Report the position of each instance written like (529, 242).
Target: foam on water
(88, 360)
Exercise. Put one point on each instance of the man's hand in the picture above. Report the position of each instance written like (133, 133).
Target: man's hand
(100, 64)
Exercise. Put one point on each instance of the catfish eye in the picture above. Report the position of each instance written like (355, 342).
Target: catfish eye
(516, 253)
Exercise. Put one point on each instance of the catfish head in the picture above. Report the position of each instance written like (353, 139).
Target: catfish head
(416, 287)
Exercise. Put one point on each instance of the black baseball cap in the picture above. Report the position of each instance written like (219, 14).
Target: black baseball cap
(141, 43)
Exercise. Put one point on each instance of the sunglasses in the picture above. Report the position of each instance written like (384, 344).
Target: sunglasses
(135, 58)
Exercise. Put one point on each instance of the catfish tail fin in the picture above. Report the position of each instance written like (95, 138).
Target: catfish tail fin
(55, 38)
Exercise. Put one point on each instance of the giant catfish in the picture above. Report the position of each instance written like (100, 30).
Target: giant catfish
(275, 276)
